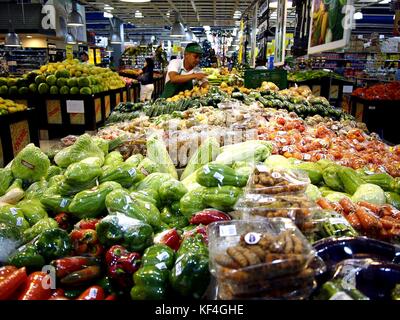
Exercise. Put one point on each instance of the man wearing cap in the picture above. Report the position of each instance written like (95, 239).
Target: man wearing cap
(182, 73)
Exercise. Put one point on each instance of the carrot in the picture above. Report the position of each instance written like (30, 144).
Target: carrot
(373, 207)
(354, 221)
(324, 204)
(367, 220)
(347, 205)
(389, 222)
(395, 232)
(81, 276)
(386, 211)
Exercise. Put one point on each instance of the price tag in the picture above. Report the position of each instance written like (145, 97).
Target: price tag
(75, 106)
(226, 231)
(306, 156)
(347, 89)
(252, 238)
(371, 108)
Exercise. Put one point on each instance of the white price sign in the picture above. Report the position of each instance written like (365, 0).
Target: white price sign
(75, 106)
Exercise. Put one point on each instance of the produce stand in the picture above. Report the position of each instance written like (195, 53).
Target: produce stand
(16, 131)
(380, 116)
(253, 78)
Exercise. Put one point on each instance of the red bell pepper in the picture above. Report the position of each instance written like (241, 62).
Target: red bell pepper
(171, 238)
(129, 263)
(87, 224)
(112, 297)
(35, 288)
(208, 216)
(114, 253)
(6, 271)
(65, 266)
(11, 283)
(58, 294)
(200, 229)
(63, 220)
(85, 241)
(92, 293)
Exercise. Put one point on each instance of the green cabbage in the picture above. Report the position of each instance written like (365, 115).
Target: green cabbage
(113, 158)
(313, 193)
(30, 164)
(252, 151)
(371, 193)
(277, 161)
(135, 159)
(337, 196)
(84, 147)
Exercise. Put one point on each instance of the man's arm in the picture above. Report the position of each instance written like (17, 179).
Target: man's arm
(175, 77)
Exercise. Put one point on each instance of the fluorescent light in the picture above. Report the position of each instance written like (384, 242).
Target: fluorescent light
(108, 7)
(138, 14)
(107, 15)
(358, 16)
(28, 36)
(135, 1)
(384, 2)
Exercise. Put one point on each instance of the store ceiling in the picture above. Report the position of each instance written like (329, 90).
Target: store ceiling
(158, 16)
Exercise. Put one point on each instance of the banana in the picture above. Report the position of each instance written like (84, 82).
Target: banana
(324, 27)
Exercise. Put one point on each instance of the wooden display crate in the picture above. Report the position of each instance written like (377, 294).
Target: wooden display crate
(380, 116)
(16, 131)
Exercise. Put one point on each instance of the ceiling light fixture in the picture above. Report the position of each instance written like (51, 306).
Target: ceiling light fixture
(135, 1)
(28, 36)
(74, 17)
(107, 15)
(178, 30)
(70, 39)
(115, 39)
(12, 40)
(138, 14)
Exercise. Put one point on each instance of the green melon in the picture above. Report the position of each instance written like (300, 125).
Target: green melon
(51, 80)
(23, 90)
(43, 88)
(21, 82)
(32, 87)
(83, 82)
(72, 82)
(61, 82)
(3, 90)
(40, 79)
(62, 74)
(74, 90)
(64, 90)
(53, 90)
(3, 82)
(11, 82)
(13, 90)
(85, 90)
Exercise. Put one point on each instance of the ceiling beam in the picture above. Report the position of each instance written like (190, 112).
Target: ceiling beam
(195, 10)
(215, 11)
(176, 9)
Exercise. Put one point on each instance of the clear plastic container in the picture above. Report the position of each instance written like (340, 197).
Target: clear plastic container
(246, 252)
(295, 207)
(266, 180)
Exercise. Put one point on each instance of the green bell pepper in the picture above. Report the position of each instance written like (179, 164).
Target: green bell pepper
(221, 198)
(192, 202)
(160, 256)
(33, 210)
(109, 230)
(172, 219)
(38, 228)
(190, 275)
(172, 190)
(13, 216)
(138, 237)
(27, 256)
(331, 177)
(54, 243)
(216, 174)
(150, 283)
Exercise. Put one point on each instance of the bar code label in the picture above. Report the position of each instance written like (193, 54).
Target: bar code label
(226, 231)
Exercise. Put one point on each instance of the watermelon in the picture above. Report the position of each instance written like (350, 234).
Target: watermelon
(72, 82)
(13, 90)
(74, 90)
(64, 90)
(85, 90)
(61, 82)
(83, 82)
(32, 87)
(53, 90)
(40, 79)
(43, 88)
(23, 90)
(11, 82)
(3, 90)
(51, 80)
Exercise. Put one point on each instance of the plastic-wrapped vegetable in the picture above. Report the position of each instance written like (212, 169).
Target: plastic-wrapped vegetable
(206, 153)
(370, 193)
(13, 216)
(157, 152)
(91, 203)
(133, 234)
(113, 158)
(6, 179)
(36, 190)
(14, 193)
(55, 203)
(53, 171)
(38, 228)
(147, 166)
(277, 161)
(102, 144)
(126, 174)
(10, 239)
(135, 159)
(215, 174)
(33, 210)
(81, 173)
(172, 190)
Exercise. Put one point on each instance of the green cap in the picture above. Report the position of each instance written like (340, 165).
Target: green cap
(194, 47)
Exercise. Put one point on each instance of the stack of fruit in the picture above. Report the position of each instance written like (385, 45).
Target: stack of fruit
(67, 77)
(8, 106)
